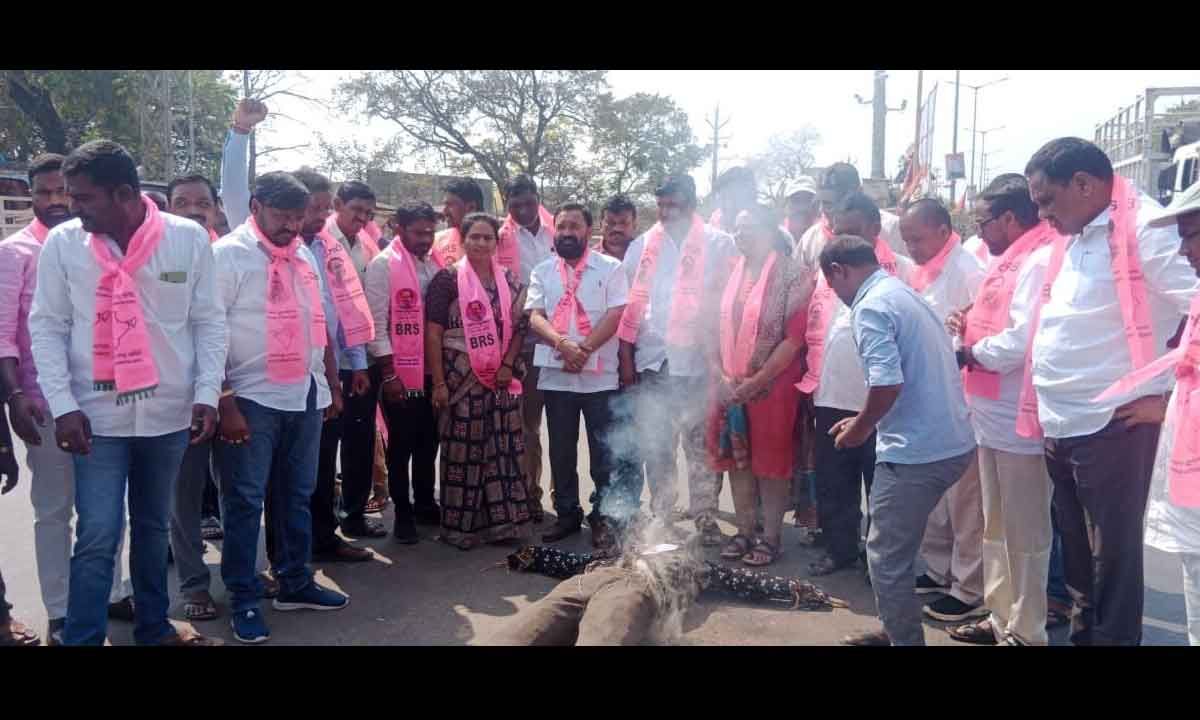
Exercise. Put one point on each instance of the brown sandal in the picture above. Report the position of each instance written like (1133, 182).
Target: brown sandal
(739, 546)
(15, 634)
(761, 549)
(200, 607)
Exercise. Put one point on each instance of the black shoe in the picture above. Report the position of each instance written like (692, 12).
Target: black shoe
(54, 632)
(951, 609)
(430, 515)
(925, 585)
(404, 531)
(341, 551)
(364, 528)
(565, 526)
(122, 609)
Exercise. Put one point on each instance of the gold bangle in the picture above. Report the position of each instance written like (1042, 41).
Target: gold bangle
(227, 393)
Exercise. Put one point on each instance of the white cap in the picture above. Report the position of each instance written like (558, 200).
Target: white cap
(1183, 203)
(801, 184)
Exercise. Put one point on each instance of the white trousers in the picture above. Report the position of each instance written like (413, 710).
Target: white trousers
(1191, 595)
(953, 544)
(52, 492)
(1017, 534)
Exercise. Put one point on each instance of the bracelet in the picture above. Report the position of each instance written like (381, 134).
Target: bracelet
(388, 379)
(227, 393)
(13, 394)
(561, 340)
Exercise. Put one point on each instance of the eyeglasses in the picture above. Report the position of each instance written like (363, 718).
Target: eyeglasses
(982, 225)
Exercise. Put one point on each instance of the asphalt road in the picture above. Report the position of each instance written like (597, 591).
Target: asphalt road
(434, 594)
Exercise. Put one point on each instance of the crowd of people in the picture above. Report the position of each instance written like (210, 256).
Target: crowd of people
(189, 365)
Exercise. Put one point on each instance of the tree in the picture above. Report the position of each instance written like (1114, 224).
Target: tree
(501, 121)
(640, 139)
(267, 85)
(353, 160)
(788, 156)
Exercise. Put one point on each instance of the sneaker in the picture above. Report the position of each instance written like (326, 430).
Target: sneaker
(54, 632)
(312, 597)
(951, 609)
(926, 585)
(249, 627)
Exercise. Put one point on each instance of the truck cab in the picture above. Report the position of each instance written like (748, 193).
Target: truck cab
(1182, 172)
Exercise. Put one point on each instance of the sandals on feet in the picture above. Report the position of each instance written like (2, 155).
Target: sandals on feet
(826, 566)
(762, 554)
(976, 633)
(200, 608)
(15, 634)
(737, 547)
(376, 505)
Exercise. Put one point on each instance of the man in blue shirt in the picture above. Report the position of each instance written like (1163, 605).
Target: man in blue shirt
(915, 401)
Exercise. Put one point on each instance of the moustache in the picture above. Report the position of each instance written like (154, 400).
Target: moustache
(58, 210)
(568, 246)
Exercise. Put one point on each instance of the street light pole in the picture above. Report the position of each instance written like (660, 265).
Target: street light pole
(954, 145)
(974, 116)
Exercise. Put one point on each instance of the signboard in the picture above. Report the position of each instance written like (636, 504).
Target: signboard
(956, 166)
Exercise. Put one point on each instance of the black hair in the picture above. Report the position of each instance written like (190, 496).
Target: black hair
(678, 184)
(475, 217)
(409, 213)
(619, 203)
(188, 180)
(840, 177)
(1060, 159)
(313, 180)
(769, 220)
(44, 163)
(587, 214)
(520, 185)
(106, 164)
(1010, 192)
(931, 212)
(847, 251)
(354, 190)
(159, 200)
(861, 203)
(280, 190)
(466, 190)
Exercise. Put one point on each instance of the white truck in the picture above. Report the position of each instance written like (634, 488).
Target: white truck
(1155, 142)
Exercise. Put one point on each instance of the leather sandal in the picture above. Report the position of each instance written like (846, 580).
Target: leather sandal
(761, 549)
(976, 633)
(737, 547)
(16, 634)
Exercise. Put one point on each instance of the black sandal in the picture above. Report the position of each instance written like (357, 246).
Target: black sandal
(976, 633)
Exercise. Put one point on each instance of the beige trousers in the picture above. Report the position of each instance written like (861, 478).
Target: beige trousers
(747, 490)
(953, 544)
(1016, 493)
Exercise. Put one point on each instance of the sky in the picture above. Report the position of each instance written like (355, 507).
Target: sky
(1021, 112)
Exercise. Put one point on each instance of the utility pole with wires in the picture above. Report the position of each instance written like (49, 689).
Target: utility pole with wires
(879, 123)
(253, 146)
(717, 140)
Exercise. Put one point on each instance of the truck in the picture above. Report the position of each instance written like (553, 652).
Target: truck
(1155, 141)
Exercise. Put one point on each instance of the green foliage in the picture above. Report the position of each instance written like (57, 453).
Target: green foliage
(639, 140)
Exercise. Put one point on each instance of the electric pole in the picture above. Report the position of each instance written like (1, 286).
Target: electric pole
(168, 149)
(879, 123)
(191, 123)
(717, 126)
(253, 151)
(954, 142)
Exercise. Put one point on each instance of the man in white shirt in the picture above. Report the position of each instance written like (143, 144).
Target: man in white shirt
(412, 426)
(262, 268)
(52, 484)
(836, 182)
(842, 473)
(618, 226)
(1100, 454)
(352, 205)
(953, 544)
(133, 433)
(534, 243)
(1014, 486)
(673, 380)
(462, 197)
(576, 301)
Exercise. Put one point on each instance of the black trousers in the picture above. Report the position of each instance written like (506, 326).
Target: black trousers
(412, 436)
(562, 425)
(357, 433)
(840, 477)
(1101, 483)
(4, 606)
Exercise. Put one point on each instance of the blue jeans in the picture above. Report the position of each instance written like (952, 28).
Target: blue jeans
(291, 441)
(99, 494)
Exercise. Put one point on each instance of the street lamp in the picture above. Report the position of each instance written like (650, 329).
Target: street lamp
(975, 115)
(983, 149)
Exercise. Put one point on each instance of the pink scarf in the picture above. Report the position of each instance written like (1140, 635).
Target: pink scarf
(348, 297)
(685, 300)
(212, 236)
(287, 355)
(737, 347)
(1131, 294)
(1183, 471)
(485, 349)
(121, 354)
(448, 250)
(571, 279)
(508, 252)
(988, 316)
(821, 310)
(925, 274)
(39, 231)
(407, 320)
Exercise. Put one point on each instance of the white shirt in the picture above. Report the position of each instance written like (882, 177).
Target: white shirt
(534, 249)
(183, 320)
(954, 287)
(977, 249)
(1080, 347)
(378, 289)
(357, 252)
(652, 348)
(242, 287)
(1169, 527)
(843, 385)
(601, 288)
(808, 248)
(995, 421)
